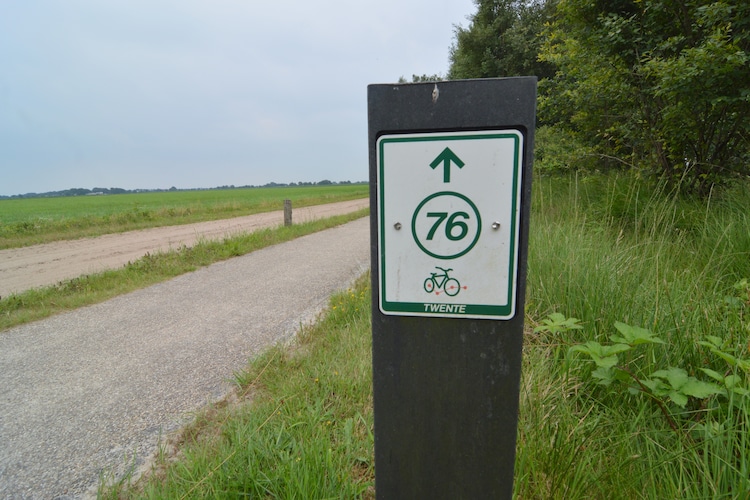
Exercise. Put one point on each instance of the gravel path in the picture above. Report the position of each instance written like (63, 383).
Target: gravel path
(41, 265)
(85, 391)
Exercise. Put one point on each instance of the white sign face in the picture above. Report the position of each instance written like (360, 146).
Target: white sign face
(449, 209)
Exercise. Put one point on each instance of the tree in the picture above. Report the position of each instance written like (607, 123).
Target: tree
(660, 83)
(503, 39)
(422, 78)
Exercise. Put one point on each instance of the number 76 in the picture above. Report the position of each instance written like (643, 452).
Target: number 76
(450, 225)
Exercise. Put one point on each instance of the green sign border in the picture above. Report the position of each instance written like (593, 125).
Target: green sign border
(501, 311)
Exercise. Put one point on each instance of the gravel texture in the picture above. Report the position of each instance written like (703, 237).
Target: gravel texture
(90, 391)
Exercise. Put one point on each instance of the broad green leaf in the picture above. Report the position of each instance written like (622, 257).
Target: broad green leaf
(634, 335)
(731, 360)
(740, 391)
(608, 350)
(605, 375)
(622, 375)
(732, 381)
(657, 386)
(589, 347)
(557, 322)
(557, 317)
(714, 341)
(698, 389)
(713, 374)
(605, 362)
(678, 398)
(716, 345)
(675, 376)
(604, 356)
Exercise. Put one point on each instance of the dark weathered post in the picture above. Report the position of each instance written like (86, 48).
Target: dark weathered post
(287, 212)
(450, 185)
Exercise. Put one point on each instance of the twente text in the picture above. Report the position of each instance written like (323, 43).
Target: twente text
(446, 308)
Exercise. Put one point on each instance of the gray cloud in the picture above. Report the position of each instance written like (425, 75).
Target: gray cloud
(199, 94)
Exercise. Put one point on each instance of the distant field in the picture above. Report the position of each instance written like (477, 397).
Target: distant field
(30, 221)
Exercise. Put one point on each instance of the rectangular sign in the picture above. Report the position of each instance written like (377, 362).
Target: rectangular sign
(449, 208)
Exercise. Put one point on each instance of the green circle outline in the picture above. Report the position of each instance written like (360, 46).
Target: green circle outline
(435, 195)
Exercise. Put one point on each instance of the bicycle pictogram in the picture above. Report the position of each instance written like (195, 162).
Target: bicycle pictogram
(438, 281)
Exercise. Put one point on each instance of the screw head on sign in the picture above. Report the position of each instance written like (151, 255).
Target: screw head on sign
(397, 226)
(496, 225)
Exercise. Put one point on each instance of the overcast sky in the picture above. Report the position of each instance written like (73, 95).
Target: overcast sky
(187, 93)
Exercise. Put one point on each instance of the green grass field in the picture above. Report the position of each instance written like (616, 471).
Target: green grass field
(31, 221)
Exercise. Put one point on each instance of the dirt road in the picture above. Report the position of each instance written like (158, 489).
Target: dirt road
(42, 265)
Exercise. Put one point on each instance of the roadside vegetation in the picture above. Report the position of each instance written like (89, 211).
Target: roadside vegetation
(31, 221)
(636, 373)
(153, 268)
(299, 425)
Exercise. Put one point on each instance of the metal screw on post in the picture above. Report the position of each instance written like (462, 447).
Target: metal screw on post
(287, 212)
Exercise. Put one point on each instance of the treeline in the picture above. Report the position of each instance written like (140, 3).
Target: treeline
(657, 86)
(97, 191)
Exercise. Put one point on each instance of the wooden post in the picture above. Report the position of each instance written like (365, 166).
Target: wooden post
(450, 185)
(287, 212)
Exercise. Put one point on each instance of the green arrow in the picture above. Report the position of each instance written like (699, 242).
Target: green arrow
(446, 157)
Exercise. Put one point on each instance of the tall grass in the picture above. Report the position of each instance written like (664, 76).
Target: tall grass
(605, 249)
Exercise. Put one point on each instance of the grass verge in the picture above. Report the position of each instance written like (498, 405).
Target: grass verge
(300, 425)
(40, 303)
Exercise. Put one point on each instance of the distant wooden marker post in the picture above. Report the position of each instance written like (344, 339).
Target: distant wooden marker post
(450, 185)
(287, 212)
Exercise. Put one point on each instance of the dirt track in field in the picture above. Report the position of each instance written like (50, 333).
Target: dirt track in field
(43, 265)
